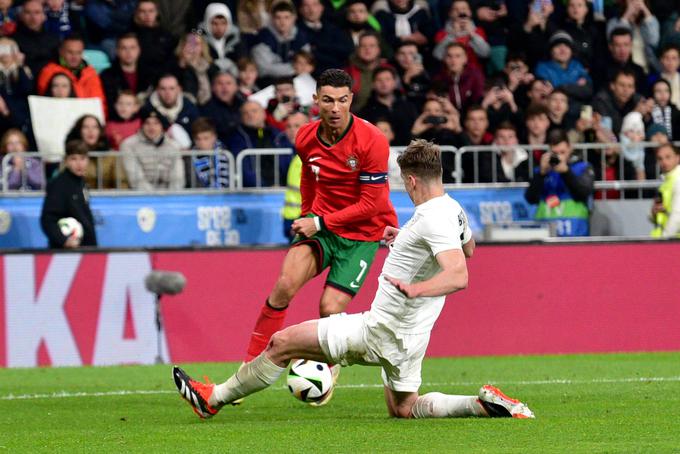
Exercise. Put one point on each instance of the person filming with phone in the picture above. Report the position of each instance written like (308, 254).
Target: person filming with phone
(562, 187)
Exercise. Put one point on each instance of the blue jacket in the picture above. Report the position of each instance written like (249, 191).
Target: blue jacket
(247, 137)
(556, 75)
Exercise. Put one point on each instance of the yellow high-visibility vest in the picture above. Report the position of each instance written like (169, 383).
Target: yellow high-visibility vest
(666, 191)
(292, 199)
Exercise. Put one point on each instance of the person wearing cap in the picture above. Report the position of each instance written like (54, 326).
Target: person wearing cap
(563, 71)
(152, 160)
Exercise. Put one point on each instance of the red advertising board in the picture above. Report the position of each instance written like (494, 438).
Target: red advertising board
(72, 309)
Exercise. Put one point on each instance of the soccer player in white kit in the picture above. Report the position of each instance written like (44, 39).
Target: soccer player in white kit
(426, 262)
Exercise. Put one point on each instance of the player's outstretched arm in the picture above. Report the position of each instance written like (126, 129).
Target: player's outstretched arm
(469, 247)
(450, 279)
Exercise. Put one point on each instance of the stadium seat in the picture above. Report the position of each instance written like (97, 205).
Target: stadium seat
(97, 59)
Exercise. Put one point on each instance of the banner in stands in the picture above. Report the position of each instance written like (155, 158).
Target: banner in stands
(72, 309)
(219, 219)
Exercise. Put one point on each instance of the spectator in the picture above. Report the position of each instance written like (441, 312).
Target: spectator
(16, 83)
(107, 20)
(658, 135)
(538, 92)
(532, 36)
(223, 37)
(224, 107)
(125, 72)
(670, 64)
(67, 196)
(664, 113)
(514, 160)
(292, 199)
(465, 83)
(152, 160)
(519, 78)
(252, 16)
(156, 44)
(620, 56)
(617, 101)
(666, 209)
(247, 77)
(558, 110)
(562, 185)
(460, 28)
(386, 128)
(211, 168)
(415, 81)
(636, 16)
(537, 122)
(194, 68)
(89, 130)
(492, 17)
(8, 18)
(330, 45)
(86, 82)
(500, 104)
(253, 132)
(439, 122)
(60, 20)
(277, 43)
(60, 86)
(38, 45)
(169, 101)
(124, 121)
(362, 63)
(359, 20)
(404, 20)
(388, 103)
(632, 133)
(284, 102)
(587, 35)
(563, 71)
(478, 166)
(22, 172)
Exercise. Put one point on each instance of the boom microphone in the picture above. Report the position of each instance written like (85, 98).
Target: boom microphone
(165, 282)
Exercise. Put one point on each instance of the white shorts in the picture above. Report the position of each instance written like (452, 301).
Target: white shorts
(350, 339)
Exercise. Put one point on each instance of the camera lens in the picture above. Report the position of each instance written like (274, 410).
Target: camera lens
(554, 160)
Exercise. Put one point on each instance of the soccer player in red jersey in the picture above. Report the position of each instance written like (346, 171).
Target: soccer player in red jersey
(345, 207)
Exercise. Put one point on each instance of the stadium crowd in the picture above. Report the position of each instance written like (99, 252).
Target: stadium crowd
(180, 75)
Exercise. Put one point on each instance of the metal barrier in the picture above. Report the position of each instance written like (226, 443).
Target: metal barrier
(98, 158)
(258, 153)
(236, 166)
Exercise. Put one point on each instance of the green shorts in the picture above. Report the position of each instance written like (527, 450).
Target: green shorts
(349, 260)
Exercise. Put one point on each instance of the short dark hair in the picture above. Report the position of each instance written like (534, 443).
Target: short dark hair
(383, 69)
(620, 31)
(72, 37)
(334, 78)
(366, 33)
(557, 136)
(456, 44)
(535, 110)
(421, 159)
(76, 146)
(166, 75)
(669, 47)
(675, 149)
(623, 72)
(559, 91)
(203, 124)
(283, 80)
(127, 35)
(506, 125)
(283, 6)
(475, 108)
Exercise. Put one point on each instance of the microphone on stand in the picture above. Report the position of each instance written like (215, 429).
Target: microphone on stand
(163, 283)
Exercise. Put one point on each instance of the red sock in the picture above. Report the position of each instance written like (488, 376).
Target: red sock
(270, 321)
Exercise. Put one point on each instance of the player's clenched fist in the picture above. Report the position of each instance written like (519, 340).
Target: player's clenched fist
(390, 234)
(305, 227)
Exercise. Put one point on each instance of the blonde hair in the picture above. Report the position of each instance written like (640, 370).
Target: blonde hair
(421, 159)
(205, 50)
(8, 134)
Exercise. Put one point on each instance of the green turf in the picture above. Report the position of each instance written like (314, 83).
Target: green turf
(591, 403)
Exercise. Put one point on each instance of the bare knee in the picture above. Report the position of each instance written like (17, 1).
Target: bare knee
(278, 347)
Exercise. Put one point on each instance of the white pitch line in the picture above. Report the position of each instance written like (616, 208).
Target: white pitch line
(65, 394)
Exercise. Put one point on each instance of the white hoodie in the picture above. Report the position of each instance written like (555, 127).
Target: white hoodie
(226, 44)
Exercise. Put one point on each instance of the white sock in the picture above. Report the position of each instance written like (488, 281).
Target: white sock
(438, 405)
(251, 377)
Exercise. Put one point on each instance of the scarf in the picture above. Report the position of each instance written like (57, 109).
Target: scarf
(171, 112)
(402, 26)
(662, 116)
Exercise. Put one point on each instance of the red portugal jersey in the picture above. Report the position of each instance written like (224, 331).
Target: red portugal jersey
(346, 182)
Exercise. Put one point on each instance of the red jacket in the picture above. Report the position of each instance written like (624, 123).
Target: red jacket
(88, 85)
(465, 90)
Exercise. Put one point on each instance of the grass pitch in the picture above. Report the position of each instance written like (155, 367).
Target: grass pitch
(587, 403)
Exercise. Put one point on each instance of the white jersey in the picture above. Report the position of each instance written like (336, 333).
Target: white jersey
(438, 225)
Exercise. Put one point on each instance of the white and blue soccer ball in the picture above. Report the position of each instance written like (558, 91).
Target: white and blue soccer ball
(309, 381)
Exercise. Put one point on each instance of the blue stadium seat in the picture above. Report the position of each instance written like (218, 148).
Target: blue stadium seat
(97, 59)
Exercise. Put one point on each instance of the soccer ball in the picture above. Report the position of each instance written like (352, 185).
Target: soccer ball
(70, 227)
(309, 381)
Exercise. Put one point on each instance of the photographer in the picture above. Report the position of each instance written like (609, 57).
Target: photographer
(440, 123)
(461, 28)
(284, 102)
(562, 186)
(500, 104)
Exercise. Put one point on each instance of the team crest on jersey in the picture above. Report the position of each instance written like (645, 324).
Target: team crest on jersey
(353, 162)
